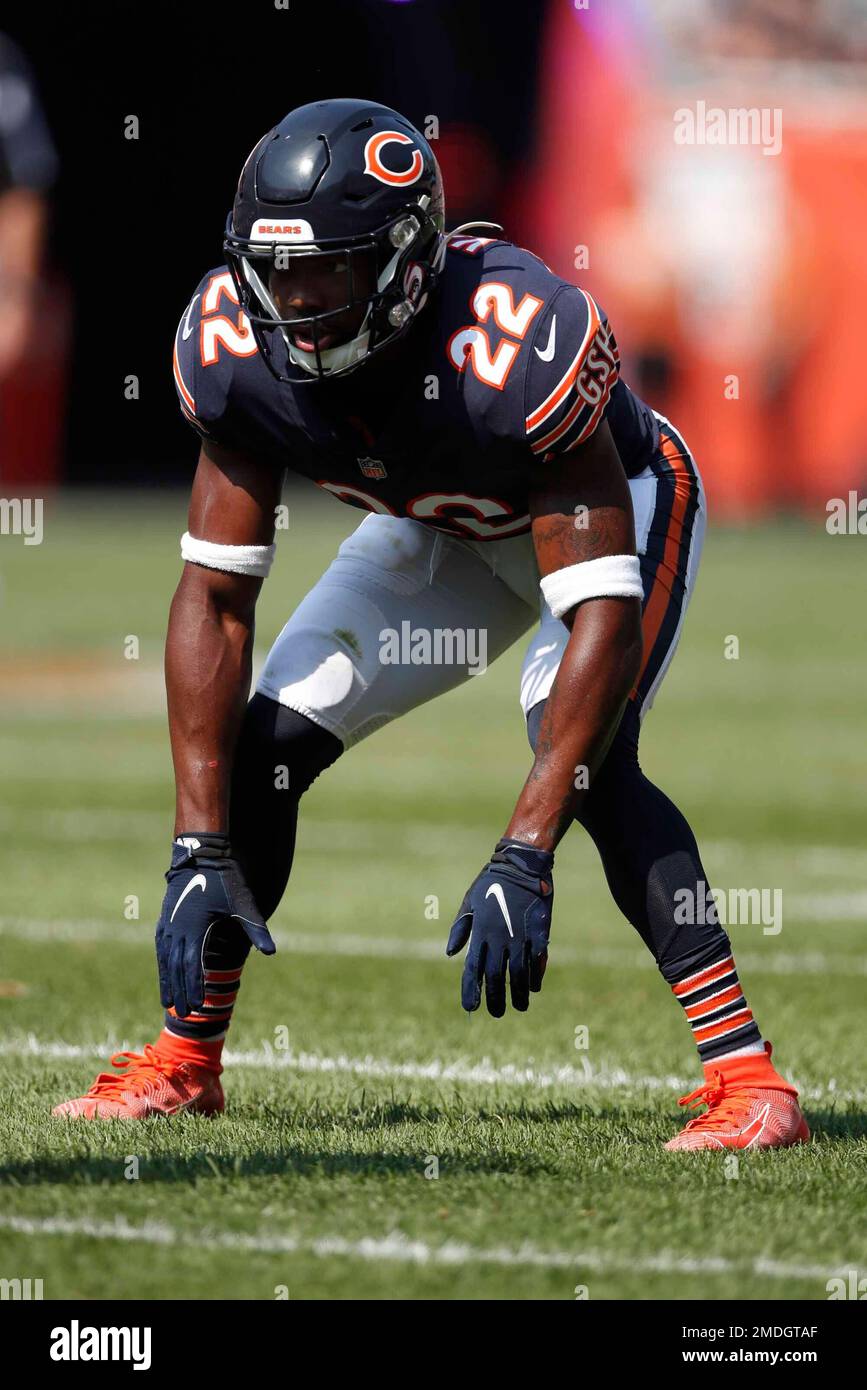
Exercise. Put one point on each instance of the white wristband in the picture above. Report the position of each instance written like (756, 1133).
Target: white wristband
(611, 576)
(236, 559)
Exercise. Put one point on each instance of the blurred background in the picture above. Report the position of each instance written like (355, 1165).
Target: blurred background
(736, 280)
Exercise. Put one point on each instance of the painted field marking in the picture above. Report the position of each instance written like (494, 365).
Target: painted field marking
(396, 1247)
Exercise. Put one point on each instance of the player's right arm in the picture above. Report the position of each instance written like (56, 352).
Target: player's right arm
(228, 548)
(235, 493)
(210, 637)
(208, 667)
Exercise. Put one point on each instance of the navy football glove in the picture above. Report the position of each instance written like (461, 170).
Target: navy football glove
(206, 886)
(506, 916)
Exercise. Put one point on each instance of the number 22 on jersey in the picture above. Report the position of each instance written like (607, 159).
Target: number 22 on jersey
(472, 343)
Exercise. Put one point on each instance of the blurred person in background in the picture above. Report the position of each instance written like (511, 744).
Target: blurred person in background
(28, 167)
(730, 262)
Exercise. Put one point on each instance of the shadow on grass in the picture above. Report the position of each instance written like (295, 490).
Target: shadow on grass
(92, 1170)
(828, 1123)
(493, 1145)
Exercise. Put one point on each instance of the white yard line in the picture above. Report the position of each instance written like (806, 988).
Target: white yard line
(422, 838)
(460, 1072)
(326, 943)
(825, 907)
(402, 1249)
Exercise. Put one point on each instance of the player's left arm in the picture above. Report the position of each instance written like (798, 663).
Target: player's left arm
(591, 579)
(584, 535)
(603, 655)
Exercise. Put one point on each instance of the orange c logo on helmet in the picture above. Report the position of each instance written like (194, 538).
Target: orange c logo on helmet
(374, 165)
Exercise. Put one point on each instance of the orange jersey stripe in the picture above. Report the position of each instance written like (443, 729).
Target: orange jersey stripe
(581, 404)
(549, 405)
(551, 438)
(176, 368)
(657, 605)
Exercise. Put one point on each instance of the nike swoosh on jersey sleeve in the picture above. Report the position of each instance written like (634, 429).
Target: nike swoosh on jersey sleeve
(567, 391)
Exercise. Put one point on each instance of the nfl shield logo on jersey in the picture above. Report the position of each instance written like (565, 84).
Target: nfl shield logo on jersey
(372, 468)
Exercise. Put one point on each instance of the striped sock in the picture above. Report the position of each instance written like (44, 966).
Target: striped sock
(200, 1036)
(722, 1022)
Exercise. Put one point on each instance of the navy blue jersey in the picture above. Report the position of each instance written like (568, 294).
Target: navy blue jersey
(506, 367)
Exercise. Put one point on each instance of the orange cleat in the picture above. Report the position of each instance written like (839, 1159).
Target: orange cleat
(148, 1083)
(749, 1106)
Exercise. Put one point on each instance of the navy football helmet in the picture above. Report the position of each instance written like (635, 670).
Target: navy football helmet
(354, 189)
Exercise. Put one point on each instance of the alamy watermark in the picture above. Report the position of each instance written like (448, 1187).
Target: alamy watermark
(437, 646)
(732, 125)
(77, 1343)
(20, 1289)
(22, 516)
(732, 907)
(852, 1286)
(847, 516)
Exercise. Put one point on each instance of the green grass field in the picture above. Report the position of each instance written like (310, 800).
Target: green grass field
(354, 1066)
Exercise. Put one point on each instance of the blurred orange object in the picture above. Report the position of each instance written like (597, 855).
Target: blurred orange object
(734, 278)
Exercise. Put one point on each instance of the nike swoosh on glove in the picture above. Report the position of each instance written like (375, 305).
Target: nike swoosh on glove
(205, 886)
(506, 917)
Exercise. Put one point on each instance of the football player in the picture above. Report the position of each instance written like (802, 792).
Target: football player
(471, 403)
